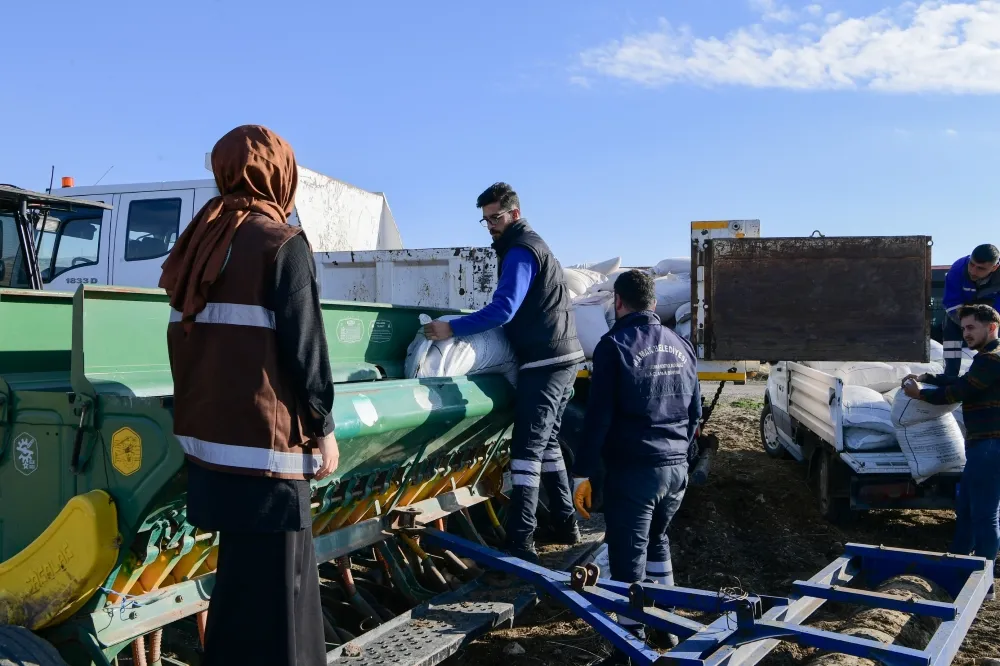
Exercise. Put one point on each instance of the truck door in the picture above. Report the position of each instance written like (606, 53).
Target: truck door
(146, 228)
(73, 248)
(814, 299)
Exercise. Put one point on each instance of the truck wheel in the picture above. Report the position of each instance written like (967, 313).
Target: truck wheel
(833, 508)
(769, 434)
(19, 646)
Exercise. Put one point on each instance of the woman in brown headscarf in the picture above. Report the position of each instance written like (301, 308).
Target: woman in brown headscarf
(253, 401)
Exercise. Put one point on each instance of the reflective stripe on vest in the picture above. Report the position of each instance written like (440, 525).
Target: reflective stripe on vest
(234, 314)
(565, 358)
(248, 457)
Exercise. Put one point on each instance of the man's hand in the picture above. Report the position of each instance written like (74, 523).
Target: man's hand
(911, 388)
(437, 330)
(908, 378)
(331, 455)
(582, 496)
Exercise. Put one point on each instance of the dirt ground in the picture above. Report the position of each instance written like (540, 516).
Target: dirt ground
(755, 525)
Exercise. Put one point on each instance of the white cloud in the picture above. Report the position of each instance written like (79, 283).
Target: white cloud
(938, 46)
(950, 132)
(581, 81)
(772, 11)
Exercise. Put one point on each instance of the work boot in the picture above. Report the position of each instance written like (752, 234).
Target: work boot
(525, 552)
(567, 534)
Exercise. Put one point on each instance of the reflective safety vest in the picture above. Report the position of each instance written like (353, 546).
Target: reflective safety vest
(234, 406)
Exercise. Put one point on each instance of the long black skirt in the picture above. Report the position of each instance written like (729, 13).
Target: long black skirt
(265, 607)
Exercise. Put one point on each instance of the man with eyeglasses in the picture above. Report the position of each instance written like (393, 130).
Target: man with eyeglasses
(532, 303)
(971, 280)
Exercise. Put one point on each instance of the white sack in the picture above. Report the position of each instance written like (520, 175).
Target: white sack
(932, 447)
(675, 265)
(907, 411)
(683, 329)
(968, 353)
(937, 352)
(579, 280)
(905, 369)
(607, 266)
(863, 407)
(891, 395)
(828, 367)
(964, 366)
(880, 377)
(480, 354)
(683, 313)
(609, 284)
(591, 323)
(862, 439)
(960, 419)
(671, 293)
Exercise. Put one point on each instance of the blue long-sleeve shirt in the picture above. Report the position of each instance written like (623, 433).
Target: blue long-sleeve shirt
(519, 269)
(959, 289)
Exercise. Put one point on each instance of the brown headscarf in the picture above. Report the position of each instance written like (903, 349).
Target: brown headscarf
(255, 172)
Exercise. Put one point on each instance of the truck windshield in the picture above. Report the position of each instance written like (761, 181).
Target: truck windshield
(67, 239)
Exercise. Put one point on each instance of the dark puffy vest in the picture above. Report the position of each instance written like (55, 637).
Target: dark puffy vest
(543, 331)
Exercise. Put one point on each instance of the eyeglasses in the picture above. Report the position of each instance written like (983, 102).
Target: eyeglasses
(494, 219)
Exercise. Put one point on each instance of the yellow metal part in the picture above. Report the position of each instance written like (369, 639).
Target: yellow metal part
(722, 376)
(492, 514)
(61, 569)
(190, 563)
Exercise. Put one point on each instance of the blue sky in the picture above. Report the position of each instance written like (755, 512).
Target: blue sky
(617, 122)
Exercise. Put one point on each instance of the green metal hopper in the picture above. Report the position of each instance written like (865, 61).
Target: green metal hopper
(94, 546)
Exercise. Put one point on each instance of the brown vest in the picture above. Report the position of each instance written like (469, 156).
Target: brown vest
(234, 407)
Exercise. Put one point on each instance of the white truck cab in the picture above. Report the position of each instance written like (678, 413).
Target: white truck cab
(127, 245)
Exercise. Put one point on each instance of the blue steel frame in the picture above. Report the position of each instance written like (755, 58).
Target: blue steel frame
(750, 626)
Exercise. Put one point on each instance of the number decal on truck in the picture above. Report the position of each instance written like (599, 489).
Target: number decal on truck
(81, 280)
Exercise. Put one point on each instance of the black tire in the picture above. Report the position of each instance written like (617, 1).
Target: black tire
(832, 506)
(18, 647)
(769, 434)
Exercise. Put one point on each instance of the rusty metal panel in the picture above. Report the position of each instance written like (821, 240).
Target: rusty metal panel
(818, 299)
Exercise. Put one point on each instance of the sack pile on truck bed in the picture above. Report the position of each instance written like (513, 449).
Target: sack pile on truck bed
(592, 289)
(877, 415)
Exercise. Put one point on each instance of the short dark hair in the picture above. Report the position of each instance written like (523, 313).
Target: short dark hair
(984, 314)
(637, 289)
(986, 254)
(499, 193)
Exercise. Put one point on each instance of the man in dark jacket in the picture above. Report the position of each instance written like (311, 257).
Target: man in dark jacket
(978, 503)
(970, 280)
(532, 303)
(642, 416)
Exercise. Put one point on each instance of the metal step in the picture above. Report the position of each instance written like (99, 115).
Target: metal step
(437, 629)
(433, 631)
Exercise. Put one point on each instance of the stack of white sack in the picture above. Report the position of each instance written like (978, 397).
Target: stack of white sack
(479, 354)
(881, 377)
(592, 285)
(581, 280)
(928, 435)
(683, 320)
(673, 266)
(595, 315)
(867, 420)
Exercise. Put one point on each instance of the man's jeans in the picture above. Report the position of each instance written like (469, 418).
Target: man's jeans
(977, 523)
